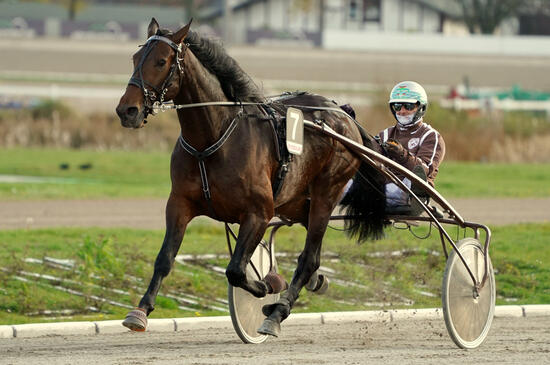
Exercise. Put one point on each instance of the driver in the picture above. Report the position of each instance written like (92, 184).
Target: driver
(411, 142)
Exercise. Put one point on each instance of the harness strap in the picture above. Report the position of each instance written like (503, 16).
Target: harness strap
(170, 105)
(201, 155)
(175, 47)
(156, 96)
(278, 130)
(283, 156)
(204, 180)
(273, 119)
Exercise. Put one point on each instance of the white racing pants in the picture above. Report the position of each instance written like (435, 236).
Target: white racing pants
(395, 196)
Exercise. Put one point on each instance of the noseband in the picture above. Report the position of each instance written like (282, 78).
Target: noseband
(155, 97)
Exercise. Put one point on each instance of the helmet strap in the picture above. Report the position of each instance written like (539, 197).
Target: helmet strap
(417, 116)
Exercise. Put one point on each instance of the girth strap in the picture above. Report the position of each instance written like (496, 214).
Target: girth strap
(278, 128)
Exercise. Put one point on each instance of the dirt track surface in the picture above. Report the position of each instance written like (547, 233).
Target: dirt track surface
(268, 63)
(149, 213)
(511, 341)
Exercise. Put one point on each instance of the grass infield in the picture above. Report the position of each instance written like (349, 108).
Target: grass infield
(27, 174)
(93, 274)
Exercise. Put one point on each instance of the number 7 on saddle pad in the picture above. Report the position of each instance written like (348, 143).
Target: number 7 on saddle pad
(294, 131)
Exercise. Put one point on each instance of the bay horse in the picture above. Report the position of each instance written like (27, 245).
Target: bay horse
(224, 163)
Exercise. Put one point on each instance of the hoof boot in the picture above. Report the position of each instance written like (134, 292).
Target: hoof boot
(136, 320)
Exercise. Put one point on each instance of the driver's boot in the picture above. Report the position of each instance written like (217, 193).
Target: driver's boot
(420, 191)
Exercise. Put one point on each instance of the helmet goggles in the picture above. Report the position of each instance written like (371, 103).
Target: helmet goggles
(408, 106)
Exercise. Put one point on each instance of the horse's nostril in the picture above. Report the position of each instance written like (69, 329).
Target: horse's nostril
(120, 111)
(132, 111)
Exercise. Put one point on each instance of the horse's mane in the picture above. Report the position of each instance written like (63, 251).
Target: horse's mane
(236, 84)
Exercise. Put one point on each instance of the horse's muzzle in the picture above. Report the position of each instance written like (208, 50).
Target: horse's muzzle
(130, 116)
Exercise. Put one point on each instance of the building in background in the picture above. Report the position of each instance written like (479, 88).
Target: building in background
(305, 22)
(287, 22)
(99, 20)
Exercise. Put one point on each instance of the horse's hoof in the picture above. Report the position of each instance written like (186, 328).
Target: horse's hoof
(312, 283)
(323, 286)
(318, 284)
(136, 320)
(275, 282)
(270, 327)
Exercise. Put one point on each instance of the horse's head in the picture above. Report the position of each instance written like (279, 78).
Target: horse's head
(158, 69)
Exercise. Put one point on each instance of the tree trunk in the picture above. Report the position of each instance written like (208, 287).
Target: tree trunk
(72, 9)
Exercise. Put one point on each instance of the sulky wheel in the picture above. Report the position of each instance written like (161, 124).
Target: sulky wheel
(246, 309)
(468, 315)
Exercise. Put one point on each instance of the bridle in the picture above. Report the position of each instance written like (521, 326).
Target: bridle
(153, 96)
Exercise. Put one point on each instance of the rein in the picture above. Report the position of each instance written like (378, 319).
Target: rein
(170, 106)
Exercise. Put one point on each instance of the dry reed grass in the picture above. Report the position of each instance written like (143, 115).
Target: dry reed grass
(63, 128)
(512, 137)
(516, 150)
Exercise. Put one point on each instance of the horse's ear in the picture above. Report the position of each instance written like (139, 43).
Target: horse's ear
(182, 33)
(152, 28)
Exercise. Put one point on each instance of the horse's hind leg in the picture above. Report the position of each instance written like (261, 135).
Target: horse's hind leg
(176, 222)
(308, 262)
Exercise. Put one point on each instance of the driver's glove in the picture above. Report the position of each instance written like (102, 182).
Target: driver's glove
(395, 150)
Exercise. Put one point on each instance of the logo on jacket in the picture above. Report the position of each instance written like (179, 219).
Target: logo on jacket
(413, 142)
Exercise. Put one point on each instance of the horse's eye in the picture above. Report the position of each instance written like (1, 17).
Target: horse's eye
(161, 62)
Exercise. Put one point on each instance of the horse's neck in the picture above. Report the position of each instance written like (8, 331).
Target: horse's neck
(201, 126)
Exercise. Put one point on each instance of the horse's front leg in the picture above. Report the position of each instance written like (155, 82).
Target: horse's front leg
(176, 223)
(308, 262)
(251, 231)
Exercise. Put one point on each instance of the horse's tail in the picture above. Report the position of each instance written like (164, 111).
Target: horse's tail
(364, 202)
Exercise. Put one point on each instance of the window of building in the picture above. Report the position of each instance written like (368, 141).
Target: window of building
(353, 9)
(363, 11)
(371, 11)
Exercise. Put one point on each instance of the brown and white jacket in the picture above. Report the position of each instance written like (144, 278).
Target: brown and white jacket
(425, 145)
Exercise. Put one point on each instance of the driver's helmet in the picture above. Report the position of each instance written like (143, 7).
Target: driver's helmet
(409, 92)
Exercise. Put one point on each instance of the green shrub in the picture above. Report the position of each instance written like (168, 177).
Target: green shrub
(97, 258)
(51, 109)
